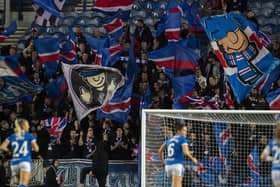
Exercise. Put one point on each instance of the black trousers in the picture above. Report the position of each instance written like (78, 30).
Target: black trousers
(99, 174)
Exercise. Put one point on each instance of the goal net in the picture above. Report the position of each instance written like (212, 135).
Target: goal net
(227, 144)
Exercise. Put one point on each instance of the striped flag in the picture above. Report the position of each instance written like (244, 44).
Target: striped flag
(47, 11)
(68, 50)
(114, 26)
(273, 99)
(48, 49)
(113, 5)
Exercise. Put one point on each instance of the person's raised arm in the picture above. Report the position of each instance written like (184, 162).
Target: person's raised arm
(161, 153)
(81, 142)
(35, 146)
(4, 146)
(187, 152)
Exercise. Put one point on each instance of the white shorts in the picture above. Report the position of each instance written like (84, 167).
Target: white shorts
(22, 166)
(175, 169)
(275, 175)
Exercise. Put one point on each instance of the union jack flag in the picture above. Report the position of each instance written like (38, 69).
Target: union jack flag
(55, 126)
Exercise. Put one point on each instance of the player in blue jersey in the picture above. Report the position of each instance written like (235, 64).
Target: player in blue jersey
(271, 153)
(21, 144)
(176, 149)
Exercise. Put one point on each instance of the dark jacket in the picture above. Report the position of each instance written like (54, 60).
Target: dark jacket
(101, 157)
(51, 177)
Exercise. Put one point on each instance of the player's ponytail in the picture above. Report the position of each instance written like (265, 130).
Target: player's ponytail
(19, 126)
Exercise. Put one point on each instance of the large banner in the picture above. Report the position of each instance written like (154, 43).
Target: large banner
(121, 173)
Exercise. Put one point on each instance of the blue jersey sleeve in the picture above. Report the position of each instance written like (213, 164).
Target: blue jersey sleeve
(31, 138)
(184, 141)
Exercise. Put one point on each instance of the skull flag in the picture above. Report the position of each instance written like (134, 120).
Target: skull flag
(241, 52)
(91, 86)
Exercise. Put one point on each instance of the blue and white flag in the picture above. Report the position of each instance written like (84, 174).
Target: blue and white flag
(273, 99)
(9, 31)
(241, 52)
(13, 83)
(48, 12)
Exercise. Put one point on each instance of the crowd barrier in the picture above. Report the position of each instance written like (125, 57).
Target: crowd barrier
(121, 173)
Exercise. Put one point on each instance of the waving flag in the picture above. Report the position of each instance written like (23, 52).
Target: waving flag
(55, 126)
(201, 102)
(13, 83)
(68, 50)
(179, 64)
(108, 56)
(173, 57)
(191, 11)
(119, 107)
(253, 164)
(209, 169)
(48, 49)
(9, 31)
(164, 57)
(173, 21)
(114, 26)
(273, 99)
(47, 11)
(242, 54)
(96, 43)
(113, 5)
(91, 86)
(224, 140)
(56, 88)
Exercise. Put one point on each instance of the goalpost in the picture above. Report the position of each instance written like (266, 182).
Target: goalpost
(227, 144)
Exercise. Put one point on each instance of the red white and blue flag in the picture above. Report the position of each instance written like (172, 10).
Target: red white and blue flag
(198, 102)
(48, 49)
(273, 99)
(224, 140)
(253, 165)
(113, 5)
(248, 66)
(174, 57)
(114, 26)
(69, 50)
(173, 21)
(96, 44)
(118, 108)
(9, 31)
(55, 126)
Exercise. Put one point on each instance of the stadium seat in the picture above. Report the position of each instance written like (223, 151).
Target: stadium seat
(82, 20)
(269, 5)
(138, 14)
(68, 21)
(94, 21)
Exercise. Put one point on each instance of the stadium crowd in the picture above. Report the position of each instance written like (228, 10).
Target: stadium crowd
(77, 139)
